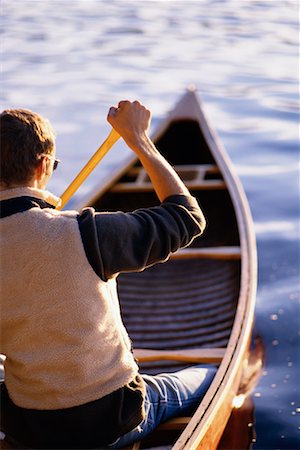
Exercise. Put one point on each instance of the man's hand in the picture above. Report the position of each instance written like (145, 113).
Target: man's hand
(131, 120)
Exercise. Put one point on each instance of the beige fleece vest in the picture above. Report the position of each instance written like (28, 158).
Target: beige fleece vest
(61, 328)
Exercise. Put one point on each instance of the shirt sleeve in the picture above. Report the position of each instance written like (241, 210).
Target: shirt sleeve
(129, 242)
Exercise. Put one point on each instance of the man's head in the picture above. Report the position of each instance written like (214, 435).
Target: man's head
(27, 148)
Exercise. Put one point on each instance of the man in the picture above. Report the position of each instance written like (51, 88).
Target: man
(70, 377)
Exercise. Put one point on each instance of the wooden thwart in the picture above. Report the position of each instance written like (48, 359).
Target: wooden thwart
(193, 355)
(187, 172)
(195, 176)
(147, 186)
(208, 252)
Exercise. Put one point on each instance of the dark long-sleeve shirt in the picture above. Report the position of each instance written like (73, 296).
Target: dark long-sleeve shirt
(130, 242)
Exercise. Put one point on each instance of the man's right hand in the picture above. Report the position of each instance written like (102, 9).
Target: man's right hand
(132, 121)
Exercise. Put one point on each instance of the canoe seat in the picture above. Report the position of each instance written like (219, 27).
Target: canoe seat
(195, 176)
(193, 355)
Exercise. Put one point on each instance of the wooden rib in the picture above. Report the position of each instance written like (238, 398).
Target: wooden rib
(153, 315)
(211, 296)
(208, 252)
(195, 301)
(175, 272)
(203, 355)
(175, 325)
(186, 280)
(187, 331)
(163, 296)
(189, 316)
(158, 341)
(205, 340)
(194, 339)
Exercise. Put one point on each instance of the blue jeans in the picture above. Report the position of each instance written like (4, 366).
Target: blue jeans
(169, 395)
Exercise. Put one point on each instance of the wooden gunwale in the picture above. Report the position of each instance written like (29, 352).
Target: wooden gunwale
(198, 433)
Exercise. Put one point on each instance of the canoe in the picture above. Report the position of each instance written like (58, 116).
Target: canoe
(199, 306)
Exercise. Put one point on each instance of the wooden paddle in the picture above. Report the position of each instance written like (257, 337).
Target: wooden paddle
(89, 167)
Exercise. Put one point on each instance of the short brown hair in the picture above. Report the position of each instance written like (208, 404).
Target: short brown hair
(25, 136)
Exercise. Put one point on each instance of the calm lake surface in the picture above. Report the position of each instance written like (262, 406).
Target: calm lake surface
(71, 60)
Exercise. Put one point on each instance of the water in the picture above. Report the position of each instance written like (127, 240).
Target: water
(71, 60)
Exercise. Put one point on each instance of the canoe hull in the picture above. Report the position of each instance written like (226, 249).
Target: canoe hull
(221, 268)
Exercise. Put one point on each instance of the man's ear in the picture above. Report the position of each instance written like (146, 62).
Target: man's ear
(41, 169)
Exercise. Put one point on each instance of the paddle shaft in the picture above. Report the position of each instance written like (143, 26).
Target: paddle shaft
(89, 167)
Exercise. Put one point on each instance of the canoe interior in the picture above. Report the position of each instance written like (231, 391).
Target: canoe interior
(188, 303)
(180, 305)
(183, 144)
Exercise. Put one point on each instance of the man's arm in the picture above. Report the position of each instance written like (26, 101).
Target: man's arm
(118, 242)
(132, 121)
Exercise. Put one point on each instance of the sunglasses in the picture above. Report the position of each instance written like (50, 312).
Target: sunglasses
(56, 161)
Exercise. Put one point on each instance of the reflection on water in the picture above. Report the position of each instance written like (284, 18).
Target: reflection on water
(240, 430)
(73, 61)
